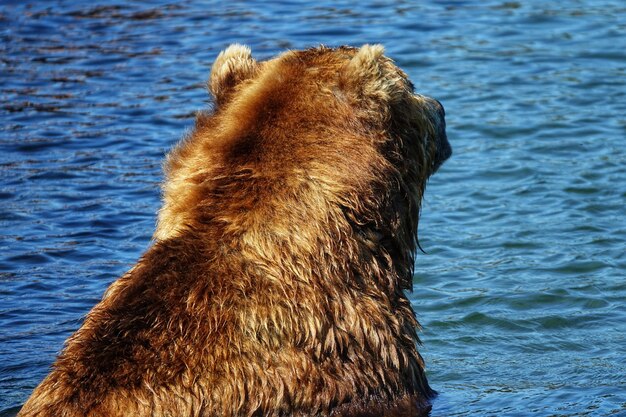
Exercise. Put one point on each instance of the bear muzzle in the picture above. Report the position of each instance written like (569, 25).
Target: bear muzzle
(443, 148)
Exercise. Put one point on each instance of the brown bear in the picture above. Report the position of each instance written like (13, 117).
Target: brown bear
(275, 284)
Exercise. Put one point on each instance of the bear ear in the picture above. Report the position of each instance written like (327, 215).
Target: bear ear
(370, 69)
(232, 66)
(366, 62)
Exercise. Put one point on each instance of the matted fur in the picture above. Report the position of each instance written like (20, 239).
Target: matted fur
(274, 286)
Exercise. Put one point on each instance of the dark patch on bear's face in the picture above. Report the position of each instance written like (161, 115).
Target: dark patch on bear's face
(444, 150)
(436, 115)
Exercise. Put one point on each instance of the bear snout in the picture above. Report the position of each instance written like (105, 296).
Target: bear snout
(443, 148)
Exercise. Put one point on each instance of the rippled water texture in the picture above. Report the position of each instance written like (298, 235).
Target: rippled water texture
(522, 292)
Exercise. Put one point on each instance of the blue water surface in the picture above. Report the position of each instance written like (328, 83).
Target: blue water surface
(522, 292)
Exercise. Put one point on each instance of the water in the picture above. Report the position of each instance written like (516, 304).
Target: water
(522, 293)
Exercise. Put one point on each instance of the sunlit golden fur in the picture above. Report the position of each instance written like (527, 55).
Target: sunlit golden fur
(275, 284)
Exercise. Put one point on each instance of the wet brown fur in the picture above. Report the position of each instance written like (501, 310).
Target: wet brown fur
(275, 283)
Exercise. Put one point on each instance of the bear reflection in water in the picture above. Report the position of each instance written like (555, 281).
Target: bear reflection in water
(275, 284)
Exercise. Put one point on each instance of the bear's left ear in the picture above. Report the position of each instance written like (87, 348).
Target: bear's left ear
(232, 66)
